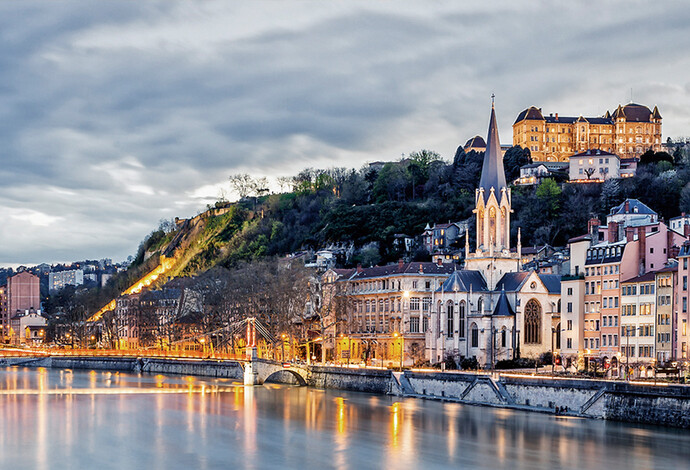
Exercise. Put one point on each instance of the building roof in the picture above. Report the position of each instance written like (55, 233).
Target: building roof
(560, 119)
(531, 113)
(552, 282)
(418, 268)
(634, 207)
(512, 282)
(503, 307)
(463, 281)
(594, 153)
(493, 174)
(580, 238)
(647, 277)
(633, 112)
(476, 142)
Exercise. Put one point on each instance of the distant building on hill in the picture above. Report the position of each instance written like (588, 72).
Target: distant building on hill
(628, 132)
(61, 279)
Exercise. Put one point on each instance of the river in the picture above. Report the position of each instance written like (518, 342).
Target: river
(63, 419)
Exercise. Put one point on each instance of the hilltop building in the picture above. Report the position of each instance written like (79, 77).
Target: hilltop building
(628, 132)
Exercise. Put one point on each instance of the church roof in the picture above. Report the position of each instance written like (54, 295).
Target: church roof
(461, 281)
(512, 282)
(552, 282)
(503, 307)
(493, 174)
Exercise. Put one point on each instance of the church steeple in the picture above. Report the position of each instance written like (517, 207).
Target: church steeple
(493, 174)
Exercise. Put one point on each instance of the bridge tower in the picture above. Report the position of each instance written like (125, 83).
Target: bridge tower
(251, 375)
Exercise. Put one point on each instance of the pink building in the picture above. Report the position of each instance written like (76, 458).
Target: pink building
(23, 293)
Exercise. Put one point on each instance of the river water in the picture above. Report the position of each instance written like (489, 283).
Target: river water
(62, 419)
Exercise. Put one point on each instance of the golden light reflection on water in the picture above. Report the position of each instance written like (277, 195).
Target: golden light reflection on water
(66, 414)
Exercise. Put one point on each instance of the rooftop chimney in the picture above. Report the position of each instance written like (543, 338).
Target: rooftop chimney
(556, 116)
(359, 267)
(642, 238)
(627, 206)
(593, 229)
(400, 264)
(629, 234)
(686, 230)
(613, 232)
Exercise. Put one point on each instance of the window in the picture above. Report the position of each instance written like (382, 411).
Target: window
(504, 338)
(450, 321)
(475, 336)
(461, 323)
(570, 307)
(427, 285)
(414, 304)
(570, 325)
(570, 291)
(569, 343)
(532, 322)
(414, 324)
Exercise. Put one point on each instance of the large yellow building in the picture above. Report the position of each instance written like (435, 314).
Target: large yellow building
(629, 132)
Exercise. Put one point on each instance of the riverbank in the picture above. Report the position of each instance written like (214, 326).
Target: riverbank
(661, 404)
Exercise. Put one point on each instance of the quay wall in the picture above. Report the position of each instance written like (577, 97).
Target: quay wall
(663, 404)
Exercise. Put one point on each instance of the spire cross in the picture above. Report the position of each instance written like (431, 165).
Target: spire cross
(492, 99)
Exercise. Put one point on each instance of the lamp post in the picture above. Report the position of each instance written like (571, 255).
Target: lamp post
(402, 348)
(282, 347)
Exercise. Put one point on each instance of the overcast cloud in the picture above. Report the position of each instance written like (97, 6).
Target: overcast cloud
(118, 114)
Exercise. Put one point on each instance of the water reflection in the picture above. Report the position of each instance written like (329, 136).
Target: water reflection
(72, 419)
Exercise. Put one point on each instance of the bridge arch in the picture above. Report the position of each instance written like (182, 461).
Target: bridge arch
(279, 376)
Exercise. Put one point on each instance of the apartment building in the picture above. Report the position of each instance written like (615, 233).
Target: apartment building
(638, 314)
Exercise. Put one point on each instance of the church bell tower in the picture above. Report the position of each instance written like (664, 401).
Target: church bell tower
(492, 210)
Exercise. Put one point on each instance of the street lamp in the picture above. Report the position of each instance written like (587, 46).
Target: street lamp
(402, 350)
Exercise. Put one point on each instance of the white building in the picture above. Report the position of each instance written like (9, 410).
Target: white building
(61, 279)
(28, 327)
(594, 165)
(677, 224)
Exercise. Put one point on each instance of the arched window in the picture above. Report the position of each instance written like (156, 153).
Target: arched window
(480, 305)
(532, 322)
(450, 319)
(504, 337)
(439, 311)
(475, 335)
(461, 323)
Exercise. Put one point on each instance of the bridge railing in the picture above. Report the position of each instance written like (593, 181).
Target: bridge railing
(157, 353)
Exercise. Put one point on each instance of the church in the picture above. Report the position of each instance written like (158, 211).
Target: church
(491, 310)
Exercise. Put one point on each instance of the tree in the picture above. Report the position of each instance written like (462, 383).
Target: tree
(242, 184)
(550, 193)
(514, 158)
(589, 172)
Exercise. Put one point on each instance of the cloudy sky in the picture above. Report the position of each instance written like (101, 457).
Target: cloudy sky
(116, 114)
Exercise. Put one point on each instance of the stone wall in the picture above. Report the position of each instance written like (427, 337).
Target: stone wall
(358, 380)
(205, 368)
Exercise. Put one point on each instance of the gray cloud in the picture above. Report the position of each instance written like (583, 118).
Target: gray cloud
(118, 114)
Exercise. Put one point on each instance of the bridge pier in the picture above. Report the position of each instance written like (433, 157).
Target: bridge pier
(251, 374)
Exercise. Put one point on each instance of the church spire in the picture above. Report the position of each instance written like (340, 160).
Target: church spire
(493, 174)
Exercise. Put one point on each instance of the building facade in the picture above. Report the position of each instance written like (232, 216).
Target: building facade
(629, 132)
(593, 166)
(23, 293)
(61, 279)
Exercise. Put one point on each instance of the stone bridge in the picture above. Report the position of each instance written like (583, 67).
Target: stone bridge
(257, 371)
